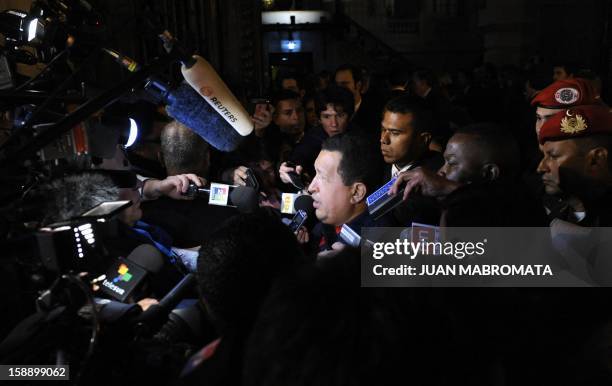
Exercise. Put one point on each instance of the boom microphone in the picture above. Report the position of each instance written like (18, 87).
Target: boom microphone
(187, 107)
(200, 75)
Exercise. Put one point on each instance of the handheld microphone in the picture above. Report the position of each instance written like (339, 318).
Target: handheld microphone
(303, 212)
(244, 198)
(153, 318)
(304, 202)
(186, 106)
(125, 275)
(380, 202)
(204, 79)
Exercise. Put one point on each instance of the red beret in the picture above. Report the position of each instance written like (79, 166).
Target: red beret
(566, 93)
(579, 121)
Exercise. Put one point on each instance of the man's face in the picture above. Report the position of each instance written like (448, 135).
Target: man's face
(334, 120)
(287, 116)
(133, 213)
(290, 84)
(332, 199)
(399, 142)
(542, 115)
(345, 79)
(311, 113)
(559, 73)
(558, 155)
(462, 162)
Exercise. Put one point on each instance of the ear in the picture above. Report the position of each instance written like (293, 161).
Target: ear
(490, 172)
(425, 138)
(358, 192)
(597, 158)
(359, 86)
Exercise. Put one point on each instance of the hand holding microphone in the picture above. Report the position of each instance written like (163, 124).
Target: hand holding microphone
(172, 186)
(424, 181)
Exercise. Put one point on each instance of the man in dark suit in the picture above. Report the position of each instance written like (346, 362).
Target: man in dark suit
(404, 144)
(367, 110)
(424, 85)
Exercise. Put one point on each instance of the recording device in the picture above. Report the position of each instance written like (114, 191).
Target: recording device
(94, 137)
(297, 180)
(185, 105)
(76, 245)
(349, 236)
(244, 198)
(380, 202)
(258, 104)
(251, 180)
(304, 211)
(298, 220)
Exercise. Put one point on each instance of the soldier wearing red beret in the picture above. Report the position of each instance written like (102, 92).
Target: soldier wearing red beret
(577, 147)
(563, 94)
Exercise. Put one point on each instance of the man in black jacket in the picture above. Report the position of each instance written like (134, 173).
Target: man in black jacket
(478, 184)
(334, 107)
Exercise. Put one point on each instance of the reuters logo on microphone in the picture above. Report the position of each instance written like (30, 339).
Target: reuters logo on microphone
(206, 91)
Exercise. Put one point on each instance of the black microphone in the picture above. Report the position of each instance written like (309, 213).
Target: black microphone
(304, 213)
(125, 275)
(153, 318)
(304, 202)
(244, 198)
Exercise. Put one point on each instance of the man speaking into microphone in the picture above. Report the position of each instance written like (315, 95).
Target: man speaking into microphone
(343, 180)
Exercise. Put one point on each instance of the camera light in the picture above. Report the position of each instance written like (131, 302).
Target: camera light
(32, 29)
(133, 133)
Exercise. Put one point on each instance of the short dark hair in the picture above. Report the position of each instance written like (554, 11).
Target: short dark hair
(283, 95)
(497, 145)
(585, 144)
(238, 262)
(355, 165)
(570, 68)
(336, 96)
(407, 104)
(426, 75)
(355, 71)
(183, 150)
(289, 75)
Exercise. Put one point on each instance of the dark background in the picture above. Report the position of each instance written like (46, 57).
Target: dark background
(444, 35)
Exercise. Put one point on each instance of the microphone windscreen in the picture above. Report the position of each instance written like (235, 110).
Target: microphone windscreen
(244, 198)
(304, 202)
(148, 257)
(188, 107)
(205, 80)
